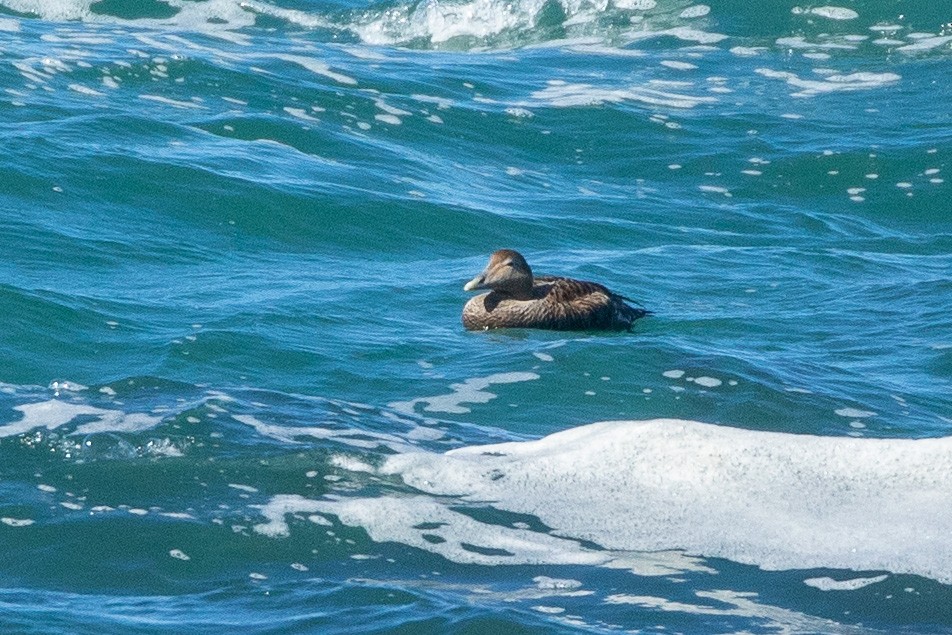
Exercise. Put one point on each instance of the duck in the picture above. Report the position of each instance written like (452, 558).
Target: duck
(517, 299)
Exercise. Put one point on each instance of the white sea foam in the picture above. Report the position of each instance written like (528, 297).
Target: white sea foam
(926, 44)
(300, 113)
(440, 22)
(85, 90)
(680, 32)
(829, 584)
(677, 65)
(737, 604)
(470, 391)
(353, 438)
(442, 103)
(210, 16)
(747, 51)
(780, 501)
(431, 524)
(831, 83)
(799, 42)
(636, 5)
(562, 94)
(302, 18)
(243, 488)
(17, 522)
(175, 103)
(391, 110)
(316, 66)
(695, 11)
(55, 413)
(855, 413)
(828, 12)
(599, 48)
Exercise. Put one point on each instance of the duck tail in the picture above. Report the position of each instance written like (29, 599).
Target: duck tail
(637, 303)
(627, 315)
(638, 313)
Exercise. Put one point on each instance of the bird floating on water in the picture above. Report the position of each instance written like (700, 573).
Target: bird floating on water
(517, 299)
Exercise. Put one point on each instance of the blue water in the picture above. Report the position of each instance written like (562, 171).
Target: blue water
(234, 238)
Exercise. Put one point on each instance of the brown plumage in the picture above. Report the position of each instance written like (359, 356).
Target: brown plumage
(517, 299)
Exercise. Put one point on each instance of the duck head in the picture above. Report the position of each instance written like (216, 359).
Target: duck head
(507, 273)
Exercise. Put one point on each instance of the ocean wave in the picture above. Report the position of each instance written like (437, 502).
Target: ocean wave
(494, 24)
(778, 501)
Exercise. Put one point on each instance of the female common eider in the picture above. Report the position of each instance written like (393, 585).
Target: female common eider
(518, 300)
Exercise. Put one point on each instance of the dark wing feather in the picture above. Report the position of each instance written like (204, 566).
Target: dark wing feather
(580, 304)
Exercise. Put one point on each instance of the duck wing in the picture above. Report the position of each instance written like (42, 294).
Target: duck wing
(583, 305)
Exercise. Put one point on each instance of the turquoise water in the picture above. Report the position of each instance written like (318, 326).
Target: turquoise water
(234, 240)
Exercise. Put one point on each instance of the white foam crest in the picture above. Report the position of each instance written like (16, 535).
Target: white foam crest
(431, 525)
(76, 39)
(831, 83)
(636, 5)
(55, 413)
(85, 90)
(779, 501)
(926, 44)
(439, 21)
(301, 113)
(828, 12)
(175, 103)
(695, 11)
(208, 16)
(61, 11)
(829, 584)
(598, 48)
(799, 42)
(354, 438)
(433, 21)
(855, 413)
(316, 66)
(28, 71)
(681, 32)
(470, 391)
(747, 51)
(738, 604)
(442, 103)
(678, 65)
(301, 18)
(396, 519)
(562, 94)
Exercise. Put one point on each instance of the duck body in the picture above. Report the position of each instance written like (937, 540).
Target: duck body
(517, 299)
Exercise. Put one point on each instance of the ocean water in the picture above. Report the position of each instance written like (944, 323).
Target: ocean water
(236, 395)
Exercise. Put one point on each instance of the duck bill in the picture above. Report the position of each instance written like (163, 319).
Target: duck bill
(479, 282)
